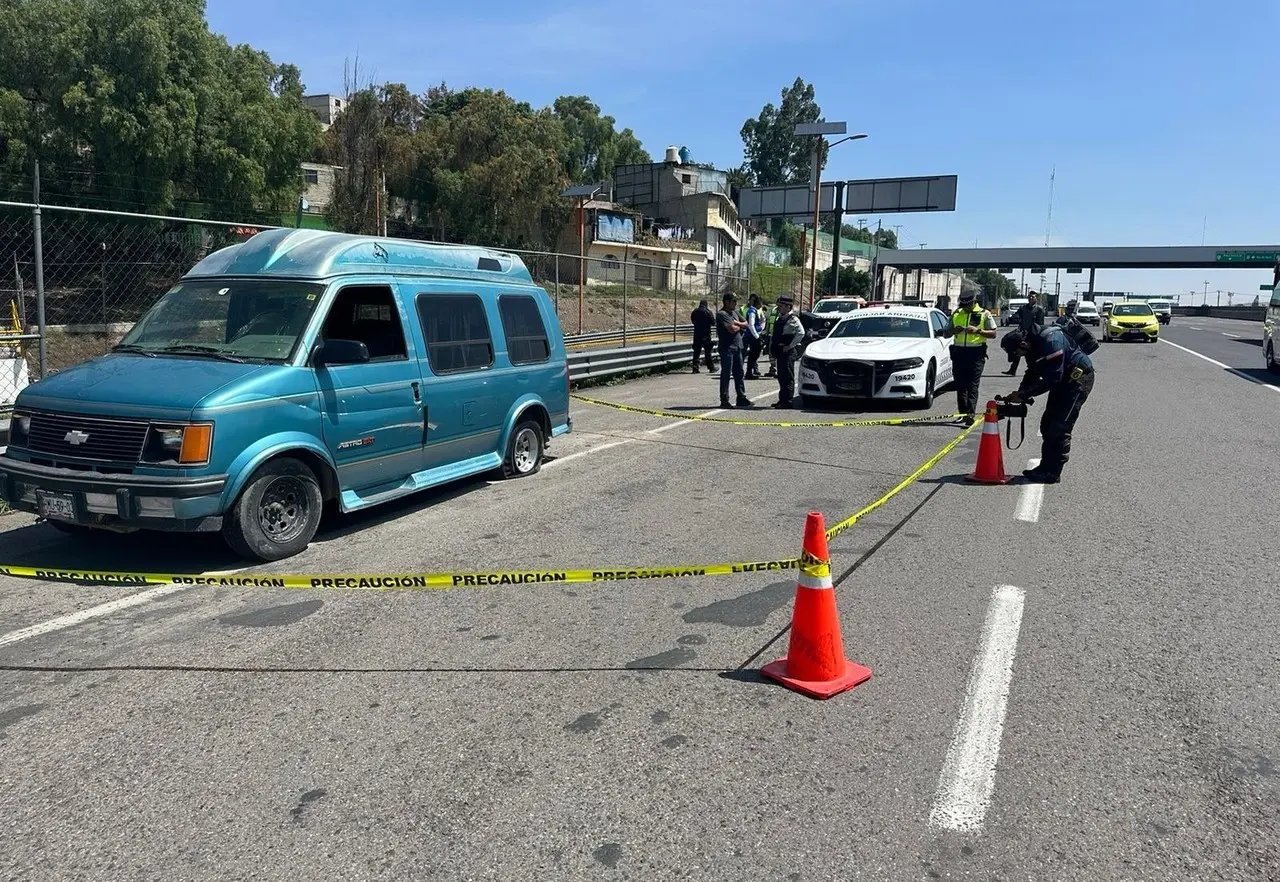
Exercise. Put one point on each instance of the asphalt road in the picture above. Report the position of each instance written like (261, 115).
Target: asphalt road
(1071, 682)
(1236, 344)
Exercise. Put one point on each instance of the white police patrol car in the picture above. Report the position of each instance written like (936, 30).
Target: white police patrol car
(890, 352)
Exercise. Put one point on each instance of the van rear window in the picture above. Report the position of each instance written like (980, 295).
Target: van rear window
(457, 332)
(522, 325)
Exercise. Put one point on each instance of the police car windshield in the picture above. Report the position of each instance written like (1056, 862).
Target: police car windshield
(881, 326)
(1133, 309)
(836, 306)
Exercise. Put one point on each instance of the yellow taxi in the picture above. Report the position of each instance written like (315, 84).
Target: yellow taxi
(1131, 321)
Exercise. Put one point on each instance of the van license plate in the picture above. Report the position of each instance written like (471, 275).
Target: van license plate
(57, 506)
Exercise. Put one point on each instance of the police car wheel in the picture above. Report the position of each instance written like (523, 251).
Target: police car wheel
(278, 513)
(930, 383)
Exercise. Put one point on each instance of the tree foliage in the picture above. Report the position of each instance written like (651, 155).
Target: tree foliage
(470, 165)
(773, 153)
(993, 283)
(853, 282)
(135, 104)
(882, 237)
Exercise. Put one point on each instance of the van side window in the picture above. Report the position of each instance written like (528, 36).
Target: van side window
(522, 325)
(368, 314)
(457, 332)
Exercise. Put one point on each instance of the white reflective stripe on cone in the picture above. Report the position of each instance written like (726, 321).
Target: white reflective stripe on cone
(807, 581)
(991, 428)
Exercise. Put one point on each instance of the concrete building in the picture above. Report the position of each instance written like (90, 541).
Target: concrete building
(318, 183)
(683, 202)
(620, 251)
(325, 106)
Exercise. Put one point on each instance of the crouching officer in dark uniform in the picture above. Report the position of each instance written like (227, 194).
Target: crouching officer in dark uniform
(784, 346)
(1057, 366)
(970, 329)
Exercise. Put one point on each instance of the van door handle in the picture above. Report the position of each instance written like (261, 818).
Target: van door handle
(417, 394)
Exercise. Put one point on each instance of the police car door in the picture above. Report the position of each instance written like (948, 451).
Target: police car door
(938, 321)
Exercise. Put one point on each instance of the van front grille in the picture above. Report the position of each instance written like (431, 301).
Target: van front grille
(66, 435)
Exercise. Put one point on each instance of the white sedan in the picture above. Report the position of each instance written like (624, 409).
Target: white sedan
(895, 353)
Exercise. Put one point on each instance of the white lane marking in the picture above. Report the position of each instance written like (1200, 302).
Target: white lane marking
(715, 412)
(671, 425)
(969, 772)
(1195, 327)
(93, 612)
(1232, 336)
(581, 453)
(1032, 498)
(1225, 367)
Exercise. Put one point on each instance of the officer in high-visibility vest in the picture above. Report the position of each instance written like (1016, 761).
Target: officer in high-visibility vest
(971, 327)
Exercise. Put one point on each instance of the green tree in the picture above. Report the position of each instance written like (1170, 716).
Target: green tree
(997, 288)
(885, 238)
(774, 154)
(135, 104)
(488, 170)
(593, 144)
(853, 282)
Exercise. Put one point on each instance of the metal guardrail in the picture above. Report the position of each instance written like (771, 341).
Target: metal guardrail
(631, 335)
(1239, 313)
(597, 364)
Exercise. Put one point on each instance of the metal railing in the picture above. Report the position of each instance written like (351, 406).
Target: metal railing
(597, 364)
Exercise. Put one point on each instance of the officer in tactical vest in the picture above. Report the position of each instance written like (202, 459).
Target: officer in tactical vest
(970, 329)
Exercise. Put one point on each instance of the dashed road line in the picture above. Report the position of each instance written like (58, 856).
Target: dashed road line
(969, 772)
(93, 612)
(1031, 499)
(1232, 336)
(1225, 367)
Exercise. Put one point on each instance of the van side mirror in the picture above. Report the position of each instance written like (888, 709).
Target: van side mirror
(338, 352)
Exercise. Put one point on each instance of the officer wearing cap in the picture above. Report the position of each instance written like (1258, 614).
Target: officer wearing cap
(970, 329)
(1055, 364)
(784, 347)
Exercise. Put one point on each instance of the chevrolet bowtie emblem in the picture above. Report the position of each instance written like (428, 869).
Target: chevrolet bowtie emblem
(75, 437)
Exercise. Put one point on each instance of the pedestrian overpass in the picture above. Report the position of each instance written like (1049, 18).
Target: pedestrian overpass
(1077, 260)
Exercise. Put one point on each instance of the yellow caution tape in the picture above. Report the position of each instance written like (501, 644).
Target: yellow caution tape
(447, 581)
(837, 424)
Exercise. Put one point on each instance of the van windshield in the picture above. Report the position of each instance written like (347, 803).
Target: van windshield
(240, 319)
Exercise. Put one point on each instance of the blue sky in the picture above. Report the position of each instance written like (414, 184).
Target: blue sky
(1157, 115)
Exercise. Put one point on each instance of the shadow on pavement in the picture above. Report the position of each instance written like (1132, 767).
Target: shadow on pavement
(1248, 342)
(34, 544)
(1262, 375)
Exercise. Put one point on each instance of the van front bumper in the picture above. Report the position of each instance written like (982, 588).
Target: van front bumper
(113, 501)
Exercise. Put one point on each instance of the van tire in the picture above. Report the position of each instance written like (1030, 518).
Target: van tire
(277, 513)
(524, 450)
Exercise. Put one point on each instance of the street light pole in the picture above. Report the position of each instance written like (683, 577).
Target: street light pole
(820, 130)
(817, 210)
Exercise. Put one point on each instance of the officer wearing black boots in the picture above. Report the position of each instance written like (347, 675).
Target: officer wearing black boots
(970, 329)
(1056, 365)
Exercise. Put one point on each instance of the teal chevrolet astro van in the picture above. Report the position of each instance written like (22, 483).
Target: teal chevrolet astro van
(296, 370)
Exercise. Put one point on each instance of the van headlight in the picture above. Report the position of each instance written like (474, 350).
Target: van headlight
(19, 429)
(190, 445)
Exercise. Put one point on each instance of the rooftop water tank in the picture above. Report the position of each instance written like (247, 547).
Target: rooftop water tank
(684, 155)
(673, 154)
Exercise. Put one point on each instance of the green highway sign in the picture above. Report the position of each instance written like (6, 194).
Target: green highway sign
(1265, 257)
(1265, 287)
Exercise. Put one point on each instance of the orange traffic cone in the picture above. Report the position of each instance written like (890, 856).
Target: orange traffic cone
(815, 664)
(990, 469)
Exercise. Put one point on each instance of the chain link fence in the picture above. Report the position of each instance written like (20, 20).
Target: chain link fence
(101, 271)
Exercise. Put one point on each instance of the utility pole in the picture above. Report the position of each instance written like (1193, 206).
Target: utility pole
(1049, 224)
(38, 236)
